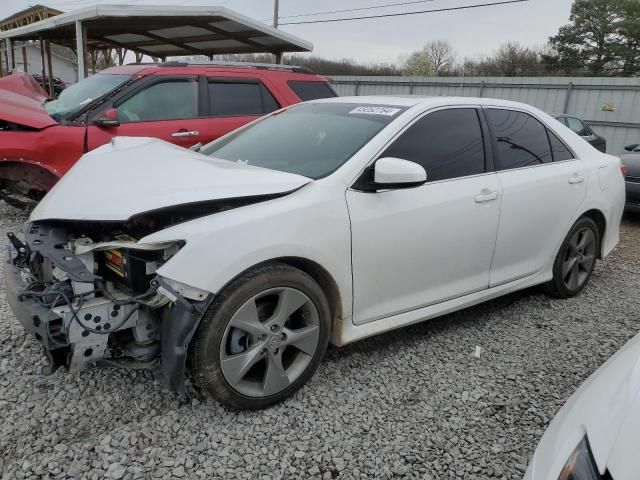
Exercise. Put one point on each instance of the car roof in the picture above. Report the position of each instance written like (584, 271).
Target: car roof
(427, 102)
(232, 67)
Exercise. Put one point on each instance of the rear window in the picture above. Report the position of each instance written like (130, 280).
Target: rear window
(312, 90)
(239, 99)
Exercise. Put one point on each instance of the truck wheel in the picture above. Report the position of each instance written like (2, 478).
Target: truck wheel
(262, 338)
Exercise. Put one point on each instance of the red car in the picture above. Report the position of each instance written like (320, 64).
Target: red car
(177, 102)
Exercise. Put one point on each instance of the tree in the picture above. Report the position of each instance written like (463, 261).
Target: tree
(510, 60)
(418, 64)
(319, 65)
(603, 37)
(441, 55)
(629, 29)
(513, 59)
(435, 58)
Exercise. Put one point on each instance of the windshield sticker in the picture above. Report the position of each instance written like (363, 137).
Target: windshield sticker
(387, 111)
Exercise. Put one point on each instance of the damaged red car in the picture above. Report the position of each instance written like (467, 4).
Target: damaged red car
(184, 104)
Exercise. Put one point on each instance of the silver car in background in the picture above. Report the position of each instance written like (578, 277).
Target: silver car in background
(631, 160)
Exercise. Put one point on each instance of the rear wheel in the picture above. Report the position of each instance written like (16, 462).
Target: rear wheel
(576, 260)
(262, 338)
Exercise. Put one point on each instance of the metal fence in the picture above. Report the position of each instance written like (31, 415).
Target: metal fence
(610, 105)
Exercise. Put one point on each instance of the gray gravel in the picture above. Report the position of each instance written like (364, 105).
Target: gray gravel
(415, 403)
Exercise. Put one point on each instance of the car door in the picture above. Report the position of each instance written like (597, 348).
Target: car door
(419, 246)
(232, 102)
(542, 188)
(165, 107)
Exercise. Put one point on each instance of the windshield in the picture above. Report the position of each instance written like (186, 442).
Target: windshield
(312, 139)
(74, 98)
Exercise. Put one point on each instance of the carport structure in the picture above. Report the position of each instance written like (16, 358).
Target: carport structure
(157, 31)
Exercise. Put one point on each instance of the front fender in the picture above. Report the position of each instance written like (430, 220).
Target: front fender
(312, 224)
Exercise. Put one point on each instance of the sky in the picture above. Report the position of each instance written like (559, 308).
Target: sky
(473, 32)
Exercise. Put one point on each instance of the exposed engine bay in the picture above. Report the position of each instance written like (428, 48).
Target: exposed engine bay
(89, 292)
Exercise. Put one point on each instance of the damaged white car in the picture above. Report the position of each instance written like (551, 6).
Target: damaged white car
(328, 221)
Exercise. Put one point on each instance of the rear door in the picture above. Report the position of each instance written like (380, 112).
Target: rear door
(165, 107)
(308, 90)
(542, 187)
(231, 102)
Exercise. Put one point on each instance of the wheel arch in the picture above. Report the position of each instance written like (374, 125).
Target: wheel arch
(323, 278)
(601, 222)
(27, 177)
(316, 271)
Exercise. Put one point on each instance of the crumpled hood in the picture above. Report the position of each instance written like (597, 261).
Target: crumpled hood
(607, 407)
(134, 175)
(22, 101)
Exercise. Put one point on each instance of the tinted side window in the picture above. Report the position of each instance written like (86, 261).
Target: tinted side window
(559, 150)
(447, 143)
(312, 90)
(577, 126)
(239, 99)
(170, 100)
(520, 139)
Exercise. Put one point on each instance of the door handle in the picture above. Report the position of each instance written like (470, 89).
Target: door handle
(193, 133)
(486, 196)
(576, 178)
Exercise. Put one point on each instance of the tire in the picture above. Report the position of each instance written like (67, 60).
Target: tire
(262, 338)
(576, 260)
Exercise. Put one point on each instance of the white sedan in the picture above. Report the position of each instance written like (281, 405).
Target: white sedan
(596, 434)
(328, 221)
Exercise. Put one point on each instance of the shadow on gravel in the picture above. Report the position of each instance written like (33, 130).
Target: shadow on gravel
(631, 218)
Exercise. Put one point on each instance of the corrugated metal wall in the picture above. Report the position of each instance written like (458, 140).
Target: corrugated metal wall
(587, 98)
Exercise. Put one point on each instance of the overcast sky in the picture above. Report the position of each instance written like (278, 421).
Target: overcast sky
(472, 32)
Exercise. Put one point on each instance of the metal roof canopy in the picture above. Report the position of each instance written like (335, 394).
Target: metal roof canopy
(158, 31)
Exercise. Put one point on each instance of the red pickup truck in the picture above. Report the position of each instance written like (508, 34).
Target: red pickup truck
(181, 103)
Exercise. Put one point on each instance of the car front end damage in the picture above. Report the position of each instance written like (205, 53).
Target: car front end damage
(90, 294)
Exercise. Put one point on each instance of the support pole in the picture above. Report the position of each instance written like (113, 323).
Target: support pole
(276, 12)
(25, 64)
(81, 50)
(567, 98)
(52, 93)
(277, 57)
(481, 91)
(10, 61)
(42, 58)
(1, 66)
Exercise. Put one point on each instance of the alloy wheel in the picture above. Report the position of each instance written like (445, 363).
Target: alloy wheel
(580, 257)
(269, 342)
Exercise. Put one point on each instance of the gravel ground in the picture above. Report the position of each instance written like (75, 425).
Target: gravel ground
(414, 403)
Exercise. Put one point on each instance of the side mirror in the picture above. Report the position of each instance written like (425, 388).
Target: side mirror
(397, 173)
(633, 147)
(108, 119)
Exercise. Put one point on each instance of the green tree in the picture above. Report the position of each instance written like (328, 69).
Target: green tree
(629, 29)
(602, 38)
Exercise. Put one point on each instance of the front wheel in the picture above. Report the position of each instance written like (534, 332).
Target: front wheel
(576, 260)
(262, 338)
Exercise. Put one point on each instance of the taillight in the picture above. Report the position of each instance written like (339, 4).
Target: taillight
(623, 169)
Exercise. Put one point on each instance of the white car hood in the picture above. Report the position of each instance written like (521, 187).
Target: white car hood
(133, 175)
(607, 408)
